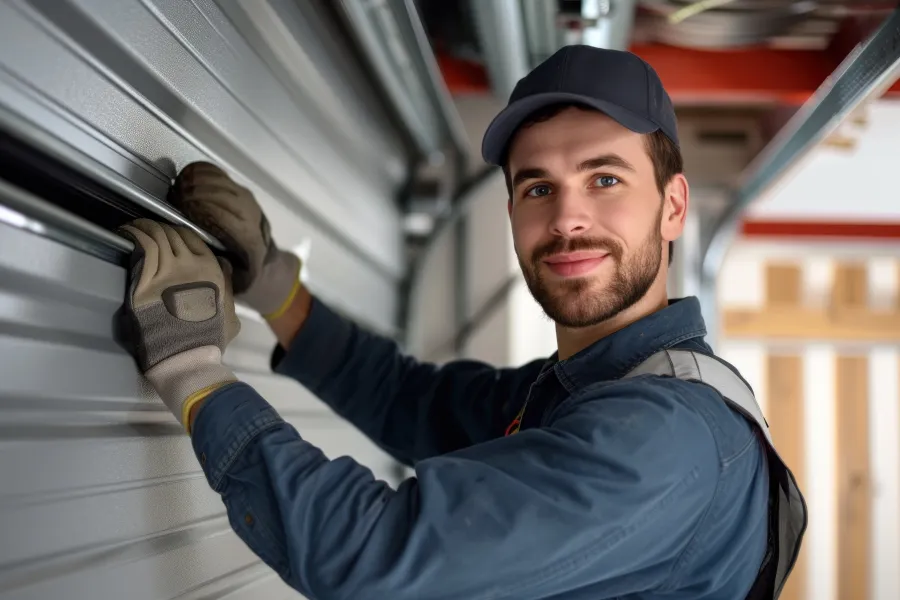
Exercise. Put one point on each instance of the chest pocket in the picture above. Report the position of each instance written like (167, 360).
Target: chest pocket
(787, 508)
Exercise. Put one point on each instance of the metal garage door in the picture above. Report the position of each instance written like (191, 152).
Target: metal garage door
(101, 101)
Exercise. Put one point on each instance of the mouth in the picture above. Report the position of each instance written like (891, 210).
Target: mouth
(575, 264)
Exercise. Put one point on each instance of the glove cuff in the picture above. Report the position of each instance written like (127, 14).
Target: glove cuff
(274, 290)
(186, 378)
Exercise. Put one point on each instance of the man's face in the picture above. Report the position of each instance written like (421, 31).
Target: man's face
(586, 216)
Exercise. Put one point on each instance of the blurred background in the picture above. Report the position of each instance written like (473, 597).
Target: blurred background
(357, 124)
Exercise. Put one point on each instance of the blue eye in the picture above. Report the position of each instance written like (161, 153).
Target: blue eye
(539, 190)
(607, 181)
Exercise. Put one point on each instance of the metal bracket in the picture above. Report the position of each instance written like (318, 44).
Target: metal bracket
(868, 71)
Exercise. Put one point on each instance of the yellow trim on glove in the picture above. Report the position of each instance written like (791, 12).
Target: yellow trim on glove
(196, 397)
(287, 303)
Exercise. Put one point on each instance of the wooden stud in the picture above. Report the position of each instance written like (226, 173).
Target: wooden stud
(836, 323)
(847, 318)
(850, 289)
(854, 479)
(784, 285)
(784, 388)
(854, 496)
(897, 290)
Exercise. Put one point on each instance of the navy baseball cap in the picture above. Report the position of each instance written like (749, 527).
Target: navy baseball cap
(618, 83)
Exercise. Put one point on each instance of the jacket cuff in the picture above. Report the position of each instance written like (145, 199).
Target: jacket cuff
(318, 350)
(228, 420)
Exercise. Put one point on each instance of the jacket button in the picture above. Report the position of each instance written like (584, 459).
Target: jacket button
(203, 459)
(248, 519)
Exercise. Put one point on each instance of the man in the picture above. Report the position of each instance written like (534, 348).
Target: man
(559, 479)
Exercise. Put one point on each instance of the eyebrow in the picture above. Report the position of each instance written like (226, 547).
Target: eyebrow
(523, 175)
(606, 160)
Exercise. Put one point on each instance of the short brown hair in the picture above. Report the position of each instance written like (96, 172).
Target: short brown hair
(664, 154)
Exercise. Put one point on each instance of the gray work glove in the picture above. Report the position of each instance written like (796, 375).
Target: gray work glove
(180, 307)
(266, 278)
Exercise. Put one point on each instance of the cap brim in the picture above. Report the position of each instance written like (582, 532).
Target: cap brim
(505, 124)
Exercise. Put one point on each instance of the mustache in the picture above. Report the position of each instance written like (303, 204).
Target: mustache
(562, 245)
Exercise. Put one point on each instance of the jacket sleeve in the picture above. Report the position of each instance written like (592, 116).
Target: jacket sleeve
(409, 408)
(598, 497)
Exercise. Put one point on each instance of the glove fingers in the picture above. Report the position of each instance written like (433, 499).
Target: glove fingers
(222, 223)
(202, 167)
(229, 221)
(221, 227)
(207, 205)
(213, 181)
(157, 233)
(206, 188)
(176, 241)
(193, 242)
(146, 246)
(205, 175)
(227, 270)
(211, 197)
(232, 323)
(210, 179)
(169, 244)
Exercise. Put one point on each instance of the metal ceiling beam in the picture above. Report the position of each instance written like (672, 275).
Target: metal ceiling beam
(608, 23)
(501, 33)
(868, 71)
(393, 40)
(516, 35)
(542, 36)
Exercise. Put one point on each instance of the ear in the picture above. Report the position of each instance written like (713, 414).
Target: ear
(675, 207)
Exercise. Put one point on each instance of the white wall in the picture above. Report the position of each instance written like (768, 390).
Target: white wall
(432, 313)
(837, 184)
(742, 286)
(533, 333)
(490, 259)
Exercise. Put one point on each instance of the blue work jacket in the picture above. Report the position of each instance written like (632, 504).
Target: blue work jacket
(648, 487)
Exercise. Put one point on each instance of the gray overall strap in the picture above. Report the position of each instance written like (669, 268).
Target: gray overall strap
(788, 514)
(693, 366)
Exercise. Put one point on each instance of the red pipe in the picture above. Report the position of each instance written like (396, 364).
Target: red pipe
(705, 76)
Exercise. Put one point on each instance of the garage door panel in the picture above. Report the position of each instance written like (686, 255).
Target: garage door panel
(174, 565)
(99, 480)
(119, 464)
(103, 517)
(142, 89)
(185, 62)
(101, 102)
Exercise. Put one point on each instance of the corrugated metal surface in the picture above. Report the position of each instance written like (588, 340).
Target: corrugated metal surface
(136, 89)
(100, 494)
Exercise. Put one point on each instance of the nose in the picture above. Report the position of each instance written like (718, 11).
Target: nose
(571, 216)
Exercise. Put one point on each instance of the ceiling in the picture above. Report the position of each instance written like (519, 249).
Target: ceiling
(736, 70)
(709, 51)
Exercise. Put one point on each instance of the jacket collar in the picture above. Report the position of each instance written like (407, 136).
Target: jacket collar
(615, 355)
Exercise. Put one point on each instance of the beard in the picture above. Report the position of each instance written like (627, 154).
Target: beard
(581, 302)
